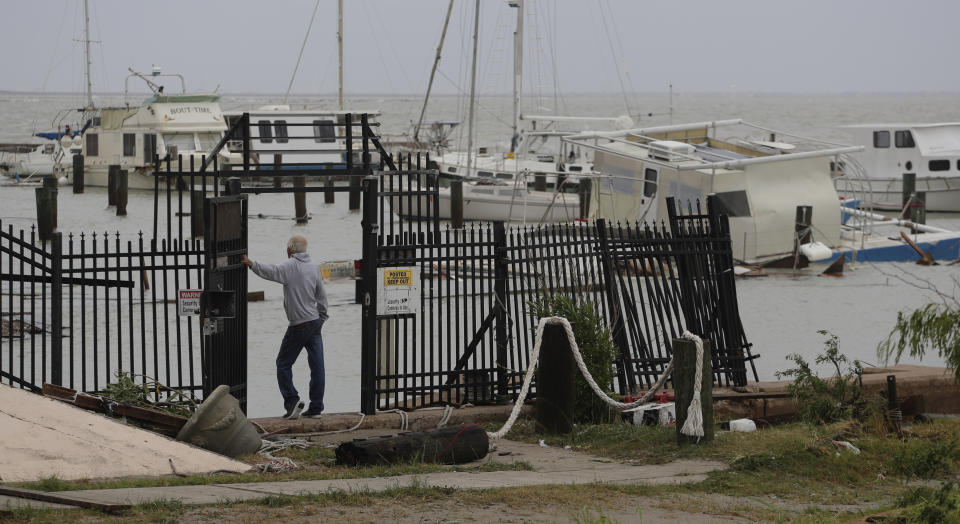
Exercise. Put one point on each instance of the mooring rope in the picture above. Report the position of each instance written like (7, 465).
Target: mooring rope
(694, 423)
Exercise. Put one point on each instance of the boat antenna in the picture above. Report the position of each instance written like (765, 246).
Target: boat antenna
(340, 52)
(473, 89)
(436, 63)
(300, 56)
(517, 73)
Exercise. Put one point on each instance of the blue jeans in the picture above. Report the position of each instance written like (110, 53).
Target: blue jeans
(306, 335)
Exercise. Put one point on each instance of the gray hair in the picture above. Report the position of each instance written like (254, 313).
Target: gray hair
(297, 244)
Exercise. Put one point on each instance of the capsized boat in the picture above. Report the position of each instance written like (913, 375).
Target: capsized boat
(776, 189)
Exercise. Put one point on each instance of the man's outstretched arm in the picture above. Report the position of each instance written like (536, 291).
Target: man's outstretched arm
(272, 272)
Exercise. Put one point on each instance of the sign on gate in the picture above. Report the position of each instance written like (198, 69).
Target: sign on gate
(398, 290)
(188, 302)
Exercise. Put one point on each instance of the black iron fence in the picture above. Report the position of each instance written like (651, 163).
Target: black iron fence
(81, 308)
(469, 337)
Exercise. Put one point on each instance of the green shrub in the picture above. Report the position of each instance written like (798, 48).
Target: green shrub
(596, 346)
(926, 458)
(929, 505)
(822, 401)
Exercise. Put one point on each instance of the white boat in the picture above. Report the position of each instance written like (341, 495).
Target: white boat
(761, 183)
(24, 162)
(491, 201)
(301, 139)
(930, 151)
(182, 126)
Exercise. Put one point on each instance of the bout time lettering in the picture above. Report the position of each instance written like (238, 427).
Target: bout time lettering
(189, 109)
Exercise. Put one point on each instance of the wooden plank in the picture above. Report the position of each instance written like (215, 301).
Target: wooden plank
(60, 498)
(167, 421)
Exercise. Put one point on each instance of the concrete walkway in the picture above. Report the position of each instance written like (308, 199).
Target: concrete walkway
(552, 466)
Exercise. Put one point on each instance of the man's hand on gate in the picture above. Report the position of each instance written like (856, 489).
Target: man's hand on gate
(246, 261)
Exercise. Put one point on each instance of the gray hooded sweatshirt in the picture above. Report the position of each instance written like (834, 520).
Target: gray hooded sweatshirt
(304, 298)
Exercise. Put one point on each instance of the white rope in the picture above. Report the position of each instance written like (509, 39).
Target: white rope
(404, 420)
(694, 411)
(277, 464)
(447, 411)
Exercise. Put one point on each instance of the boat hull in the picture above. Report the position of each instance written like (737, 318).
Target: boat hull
(536, 207)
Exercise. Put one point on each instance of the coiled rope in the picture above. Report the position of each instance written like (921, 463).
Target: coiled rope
(692, 427)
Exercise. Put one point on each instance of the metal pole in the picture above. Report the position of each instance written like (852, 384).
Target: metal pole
(500, 291)
(517, 74)
(473, 91)
(56, 309)
(86, 41)
(340, 52)
(436, 63)
(368, 335)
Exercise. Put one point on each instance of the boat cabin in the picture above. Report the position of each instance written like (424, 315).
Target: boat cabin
(757, 177)
(893, 149)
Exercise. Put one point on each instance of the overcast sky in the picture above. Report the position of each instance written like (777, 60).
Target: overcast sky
(251, 46)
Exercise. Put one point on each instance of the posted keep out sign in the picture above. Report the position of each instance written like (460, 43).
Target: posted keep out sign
(398, 290)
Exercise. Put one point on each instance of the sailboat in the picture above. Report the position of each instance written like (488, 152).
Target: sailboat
(527, 183)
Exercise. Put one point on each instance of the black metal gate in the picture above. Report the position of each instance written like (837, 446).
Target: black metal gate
(224, 308)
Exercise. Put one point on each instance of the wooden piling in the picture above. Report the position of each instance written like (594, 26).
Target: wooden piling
(908, 188)
(277, 165)
(78, 173)
(585, 195)
(354, 193)
(555, 375)
(196, 213)
(300, 199)
(918, 212)
(456, 204)
(121, 185)
(328, 195)
(46, 211)
(112, 184)
(684, 375)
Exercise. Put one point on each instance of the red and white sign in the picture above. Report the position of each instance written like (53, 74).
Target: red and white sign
(188, 302)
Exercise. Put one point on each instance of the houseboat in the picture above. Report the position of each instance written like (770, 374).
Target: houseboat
(929, 151)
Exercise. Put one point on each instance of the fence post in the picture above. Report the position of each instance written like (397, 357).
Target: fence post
(78, 173)
(555, 376)
(500, 291)
(354, 192)
(683, 377)
(456, 204)
(56, 309)
(625, 375)
(368, 331)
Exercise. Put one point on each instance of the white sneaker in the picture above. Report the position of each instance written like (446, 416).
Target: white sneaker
(294, 413)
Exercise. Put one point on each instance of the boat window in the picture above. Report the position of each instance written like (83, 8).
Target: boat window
(451, 169)
(881, 139)
(95, 121)
(323, 131)
(939, 165)
(48, 149)
(484, 174)
(732, 203)
(650, 182)
(182, 141)
(575, 168)
(903, 139)
(266, 132)
(149, 148)
(129, 144)
(483, 191)
(280, 130)
(93, 144)
(505, 176)
(208, 141)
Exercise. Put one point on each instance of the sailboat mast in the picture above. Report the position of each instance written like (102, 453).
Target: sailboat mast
(436, 63)
(86, 40)
(473, 89)
(517, 73)
(340, 52)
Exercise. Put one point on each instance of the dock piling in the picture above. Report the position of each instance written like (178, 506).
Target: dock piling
(300, 199)
(46, 196)
(112, 184)
(120, 186)
(77, 173)
(354, 193)
(684, 376)
(555, 375)
(456, 204)
(585, 194)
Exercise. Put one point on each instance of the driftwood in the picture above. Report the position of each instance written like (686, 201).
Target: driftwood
(161, 421)
(452, 445)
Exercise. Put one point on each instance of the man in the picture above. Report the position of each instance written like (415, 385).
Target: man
(305, 302)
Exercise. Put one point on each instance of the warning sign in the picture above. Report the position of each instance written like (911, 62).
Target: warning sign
(188, 302)
(398, 290)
